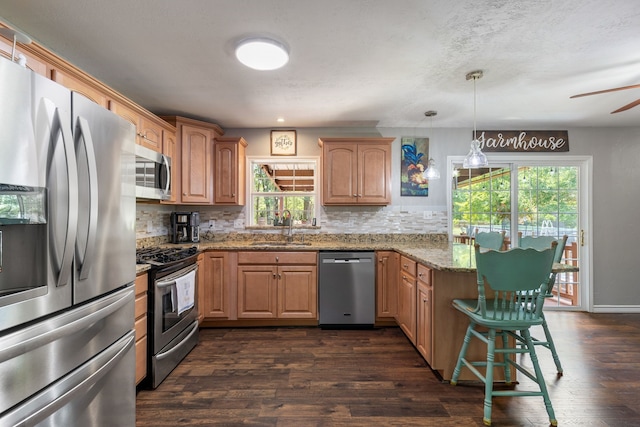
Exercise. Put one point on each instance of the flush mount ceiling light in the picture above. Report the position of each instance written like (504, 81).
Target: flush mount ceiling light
(475, 158)
(262, 53)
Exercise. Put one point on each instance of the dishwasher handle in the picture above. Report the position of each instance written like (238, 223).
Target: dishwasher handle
(345, 260)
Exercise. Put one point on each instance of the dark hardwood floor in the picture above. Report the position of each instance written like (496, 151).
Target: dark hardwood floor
(302, 377)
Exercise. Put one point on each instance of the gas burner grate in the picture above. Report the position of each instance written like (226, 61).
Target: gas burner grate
(163, 256)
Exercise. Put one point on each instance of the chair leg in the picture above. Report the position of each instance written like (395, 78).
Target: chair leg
(505, 356)
(551, 345)
(538, 374)
(488, 383)
(461, 355)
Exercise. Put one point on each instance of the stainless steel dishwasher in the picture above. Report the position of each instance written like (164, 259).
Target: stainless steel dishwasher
(346, 289)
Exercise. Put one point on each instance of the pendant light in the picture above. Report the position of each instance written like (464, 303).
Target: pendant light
(432, 171)
(476, 158)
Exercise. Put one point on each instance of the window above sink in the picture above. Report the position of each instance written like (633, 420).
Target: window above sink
(276, 184)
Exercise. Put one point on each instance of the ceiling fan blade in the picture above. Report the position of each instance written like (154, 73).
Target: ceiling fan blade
(627, 107)
(606, 91)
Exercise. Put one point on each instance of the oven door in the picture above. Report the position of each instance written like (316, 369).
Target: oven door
(170, 317)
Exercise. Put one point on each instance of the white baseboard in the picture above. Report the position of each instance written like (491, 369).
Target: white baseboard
(616, 309)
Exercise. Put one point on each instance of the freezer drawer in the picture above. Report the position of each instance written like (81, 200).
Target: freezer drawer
(40, 354)
(100, 392)
(346, 289)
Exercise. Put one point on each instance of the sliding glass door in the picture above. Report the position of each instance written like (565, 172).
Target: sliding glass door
(533, 199)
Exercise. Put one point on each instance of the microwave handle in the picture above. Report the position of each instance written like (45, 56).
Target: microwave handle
(86, 259)
(167, 187)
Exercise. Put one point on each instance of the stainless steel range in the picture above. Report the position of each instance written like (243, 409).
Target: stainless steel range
(172, 311)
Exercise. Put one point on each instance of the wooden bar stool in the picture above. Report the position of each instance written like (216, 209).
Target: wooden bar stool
(516, 282)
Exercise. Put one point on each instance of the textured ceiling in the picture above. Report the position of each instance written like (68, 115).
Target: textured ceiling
(358, 62)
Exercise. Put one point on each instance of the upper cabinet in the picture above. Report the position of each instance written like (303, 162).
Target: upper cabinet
(81, 85)
(194, 144)
(356, 171)
(149, 130)
(229, 171)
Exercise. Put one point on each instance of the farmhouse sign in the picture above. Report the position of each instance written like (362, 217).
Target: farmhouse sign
(523, 140)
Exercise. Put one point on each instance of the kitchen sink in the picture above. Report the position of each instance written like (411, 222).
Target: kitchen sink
(280, 244)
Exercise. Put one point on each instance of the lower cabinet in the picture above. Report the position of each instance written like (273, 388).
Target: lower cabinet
(216, 286)
(406, 315)
(386, 284)
(277, 285)
(141, 285)
(424, 332)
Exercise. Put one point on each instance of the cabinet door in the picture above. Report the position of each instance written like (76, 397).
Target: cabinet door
(141, 285)
(150, 134)
(196, 154)
(257, 292)
(216, 285)
(229, 171)
(424, 324)
(387, 284)
(340, 178)
(374, 174)
(80, 86)
(407, 306)
(297, 292)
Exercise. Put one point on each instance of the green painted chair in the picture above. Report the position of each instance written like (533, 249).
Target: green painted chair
(543, 242)
(511, 290)
(490, 239)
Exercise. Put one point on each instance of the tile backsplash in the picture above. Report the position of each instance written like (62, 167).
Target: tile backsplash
(153, 221)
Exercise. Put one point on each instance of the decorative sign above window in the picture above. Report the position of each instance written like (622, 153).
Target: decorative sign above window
(523, 141)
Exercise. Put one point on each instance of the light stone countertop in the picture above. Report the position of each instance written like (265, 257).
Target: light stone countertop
(444, 256)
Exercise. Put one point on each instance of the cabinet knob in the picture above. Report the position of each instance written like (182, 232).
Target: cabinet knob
(277, 259)
(274, 275)
(355, 195)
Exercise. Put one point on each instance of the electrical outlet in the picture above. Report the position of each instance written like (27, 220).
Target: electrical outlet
(238, 223)
(212, 223)
(149, 226)
(427, 215)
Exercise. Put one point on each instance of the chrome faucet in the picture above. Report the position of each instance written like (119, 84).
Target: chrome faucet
(290, 233)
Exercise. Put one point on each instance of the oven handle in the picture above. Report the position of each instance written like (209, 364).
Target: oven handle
(167, 283)
(168, 353)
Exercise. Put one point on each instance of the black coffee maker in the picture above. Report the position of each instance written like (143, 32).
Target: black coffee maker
(185, 227)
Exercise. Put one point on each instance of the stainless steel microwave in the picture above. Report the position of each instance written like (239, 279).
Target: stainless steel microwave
(153, 174)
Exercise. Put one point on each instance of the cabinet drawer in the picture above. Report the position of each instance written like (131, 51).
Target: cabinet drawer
(141, 327)
(424, 274)
(142, 282)
(140, 305)
(408, 265)
(268, 257)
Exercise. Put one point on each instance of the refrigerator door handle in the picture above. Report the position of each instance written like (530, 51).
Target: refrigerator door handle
(60, 118)
(85, 259)
(167, 187)
(76, 322)
(51, 399)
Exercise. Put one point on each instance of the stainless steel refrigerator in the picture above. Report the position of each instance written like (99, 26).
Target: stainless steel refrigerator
(67, 257)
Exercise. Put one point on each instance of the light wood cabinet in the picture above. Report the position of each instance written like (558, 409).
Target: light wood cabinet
(80, 85)
(277, 285)
(149, 132)
(194, 143)
(229, 171)
(386, 284)
(216, 295)
(406, 316)
(424, 321)
(140, 325)
(356, 171)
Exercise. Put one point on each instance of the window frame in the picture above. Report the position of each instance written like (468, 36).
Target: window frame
(251, 160)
